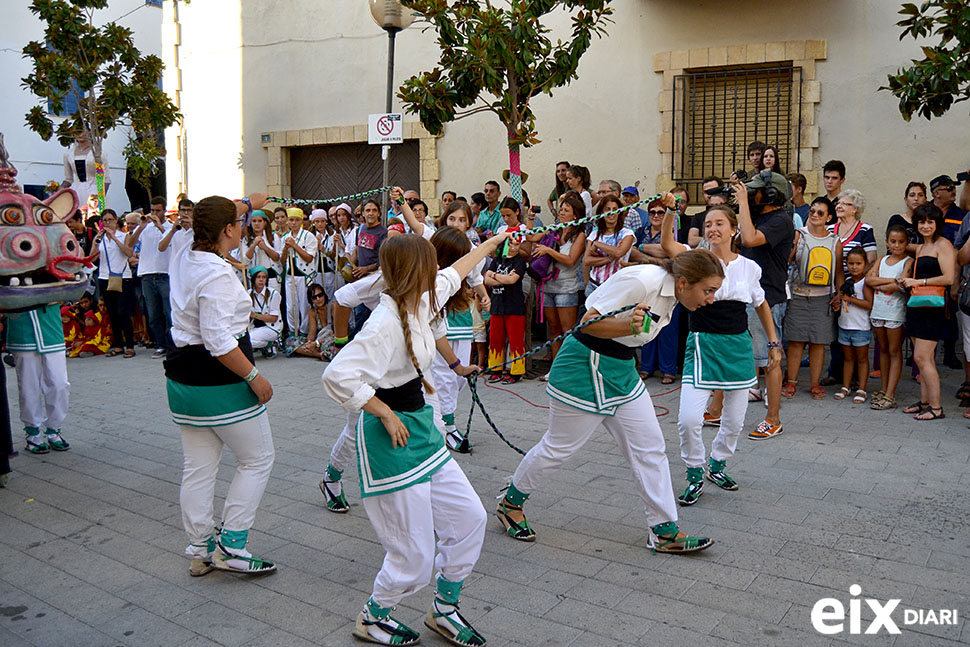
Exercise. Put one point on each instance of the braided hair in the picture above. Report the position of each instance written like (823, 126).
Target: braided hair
(409, 266)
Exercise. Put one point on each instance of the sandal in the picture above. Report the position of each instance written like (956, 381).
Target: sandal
(388, 629)
(860, 396)
(511, 379)
(930, 413)
(494, 378)
(842, 393)
(695, 486)
(457, 631)
(668, 379)
(964, 391)
(515, 529)
(336, 502)
(818, 392)
(114, 352)
(788, 389)
(966, 413)
(916, 407)
(664, 538)
(883, 403)
(129, 353)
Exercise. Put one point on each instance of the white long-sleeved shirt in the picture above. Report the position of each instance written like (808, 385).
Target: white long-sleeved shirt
(268, 303)
(209, 304)
(378, 357)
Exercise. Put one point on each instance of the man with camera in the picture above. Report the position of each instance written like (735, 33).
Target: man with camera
(153, 272)
(713, 188)
(767, 235)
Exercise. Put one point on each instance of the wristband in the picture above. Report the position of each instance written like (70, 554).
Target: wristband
(774, 344)
(340, 341)
(252, 375)
(455, 365)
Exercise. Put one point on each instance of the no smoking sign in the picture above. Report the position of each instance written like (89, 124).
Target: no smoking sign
(385, 129)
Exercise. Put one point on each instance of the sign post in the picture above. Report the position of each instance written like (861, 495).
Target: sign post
(385, 129)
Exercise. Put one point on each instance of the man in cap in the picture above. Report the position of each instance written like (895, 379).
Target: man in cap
(636, 218)
(944, 191)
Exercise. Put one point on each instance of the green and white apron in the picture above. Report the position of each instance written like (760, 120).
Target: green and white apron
(591, 381)
(458, 325)
(204, 393)
(718, 361)
(384, 468)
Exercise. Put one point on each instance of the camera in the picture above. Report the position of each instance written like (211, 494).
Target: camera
(725, 190)
(536, 209)
(963, 177)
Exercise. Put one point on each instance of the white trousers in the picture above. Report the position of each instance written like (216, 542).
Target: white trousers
(344, 450)
(261, 336)
(636, 432)
(964, 321)
(43, 388)
(297, 307)
(449, 384)
(406, 523)
(690, 423)
(251, 442)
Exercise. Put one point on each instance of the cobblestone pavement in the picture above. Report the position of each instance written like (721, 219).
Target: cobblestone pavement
(91, 539)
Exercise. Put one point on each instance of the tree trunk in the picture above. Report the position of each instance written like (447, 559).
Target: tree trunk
(515, 172)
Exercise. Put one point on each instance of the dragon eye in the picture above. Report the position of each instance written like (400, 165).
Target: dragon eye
(12, 216)
(44, 215)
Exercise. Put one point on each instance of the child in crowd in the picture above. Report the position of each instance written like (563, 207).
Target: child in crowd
(265, 320)
(889, 313)
(72, 329)
(608, 245)
(508, 311)
(854, 327)
(94, 340)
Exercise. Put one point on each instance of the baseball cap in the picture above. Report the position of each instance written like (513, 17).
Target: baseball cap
(632, 190)
(941, 180)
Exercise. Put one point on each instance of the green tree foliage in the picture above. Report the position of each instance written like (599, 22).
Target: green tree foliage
(931, 85)
(118, 85)
(495, 58)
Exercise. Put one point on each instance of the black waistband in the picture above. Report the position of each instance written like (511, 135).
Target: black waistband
(407, 397)
(607, 347)
(721, 317)
(195, 366)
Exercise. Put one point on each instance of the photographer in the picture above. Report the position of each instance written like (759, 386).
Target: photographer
(714, 191)
(181, 234)
(767, 236)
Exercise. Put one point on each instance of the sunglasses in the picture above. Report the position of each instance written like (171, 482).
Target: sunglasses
(657, 212)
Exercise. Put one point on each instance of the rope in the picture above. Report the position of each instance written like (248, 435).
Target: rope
(556, 226)
(473, 378)
(343, 198)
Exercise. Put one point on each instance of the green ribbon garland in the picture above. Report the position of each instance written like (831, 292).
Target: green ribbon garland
(343, 198)
(473, 378)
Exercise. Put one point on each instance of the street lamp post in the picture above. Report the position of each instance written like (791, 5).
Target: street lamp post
(392, 17)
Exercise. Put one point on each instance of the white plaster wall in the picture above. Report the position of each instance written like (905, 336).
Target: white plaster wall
(307, 64)
(38, 161)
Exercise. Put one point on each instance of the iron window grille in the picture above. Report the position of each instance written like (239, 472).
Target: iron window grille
(717, 112)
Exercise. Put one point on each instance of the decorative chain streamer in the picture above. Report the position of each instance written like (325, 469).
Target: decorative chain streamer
(556, 226)
(343, 198)
(473, 378)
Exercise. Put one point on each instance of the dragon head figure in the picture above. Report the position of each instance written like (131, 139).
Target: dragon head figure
(40, 260)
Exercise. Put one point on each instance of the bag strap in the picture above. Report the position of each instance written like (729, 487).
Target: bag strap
(855, 232)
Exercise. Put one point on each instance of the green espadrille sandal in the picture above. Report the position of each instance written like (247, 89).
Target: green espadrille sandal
(664, 539)
(376, 625)
(716, 475)
(515, 529)
(336, 502)
(695, 486)
(456, 629)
